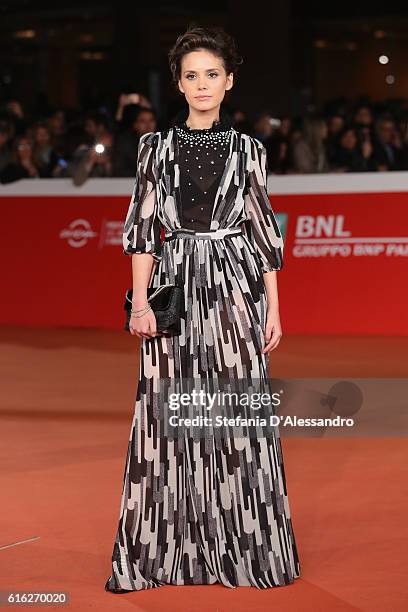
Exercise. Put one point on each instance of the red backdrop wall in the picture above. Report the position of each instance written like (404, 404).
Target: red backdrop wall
(345, 257)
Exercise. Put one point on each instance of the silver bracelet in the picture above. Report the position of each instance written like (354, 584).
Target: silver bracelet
(140, 309)
(133, 313)
(147, 307)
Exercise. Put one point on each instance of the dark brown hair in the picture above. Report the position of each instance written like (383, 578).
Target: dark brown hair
(213, 39)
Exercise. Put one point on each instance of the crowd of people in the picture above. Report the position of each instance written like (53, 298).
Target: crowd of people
(346, 138)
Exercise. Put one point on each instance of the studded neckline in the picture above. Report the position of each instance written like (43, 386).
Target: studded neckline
(204, 136)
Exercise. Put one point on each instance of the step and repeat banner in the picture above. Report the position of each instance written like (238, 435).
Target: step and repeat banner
(345, 257)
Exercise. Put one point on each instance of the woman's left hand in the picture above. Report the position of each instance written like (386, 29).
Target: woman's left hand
(273, 330)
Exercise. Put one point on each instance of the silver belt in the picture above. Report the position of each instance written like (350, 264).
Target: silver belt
(217, 234)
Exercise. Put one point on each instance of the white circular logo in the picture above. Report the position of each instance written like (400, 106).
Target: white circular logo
(78, 233)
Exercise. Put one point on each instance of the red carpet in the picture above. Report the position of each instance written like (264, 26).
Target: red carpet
(67, 406)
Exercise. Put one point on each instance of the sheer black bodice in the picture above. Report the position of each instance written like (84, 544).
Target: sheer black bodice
(202, 154)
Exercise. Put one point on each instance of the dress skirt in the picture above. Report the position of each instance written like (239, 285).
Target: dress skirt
(212, 508)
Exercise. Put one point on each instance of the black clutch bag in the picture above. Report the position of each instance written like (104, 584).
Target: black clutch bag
(167, 303)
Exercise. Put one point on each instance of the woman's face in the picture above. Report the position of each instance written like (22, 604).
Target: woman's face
(203, 74)
(335, 124)
(145, 122)
(363, 116)
(349, 140)
(24, 149)
(42, 136)
(56, 124)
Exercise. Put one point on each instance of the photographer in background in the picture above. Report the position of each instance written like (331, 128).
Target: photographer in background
(45, 157)
(387, 144)
(136, 121)
(22, 163)
(309, 154)
(350, 155)
(93, 156)
(277, 145)
(131, 98)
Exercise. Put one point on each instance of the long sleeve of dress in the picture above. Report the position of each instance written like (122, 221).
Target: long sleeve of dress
(141, 231)
(262, 226)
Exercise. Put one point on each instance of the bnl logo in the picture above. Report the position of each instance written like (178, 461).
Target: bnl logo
(318, 226)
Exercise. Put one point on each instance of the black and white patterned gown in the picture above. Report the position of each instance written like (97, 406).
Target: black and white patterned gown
(197, 512)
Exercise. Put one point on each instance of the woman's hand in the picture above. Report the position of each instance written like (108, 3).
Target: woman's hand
(144, 326)
(273, 330)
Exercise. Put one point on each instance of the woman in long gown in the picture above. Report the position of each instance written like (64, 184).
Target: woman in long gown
(206, 509)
